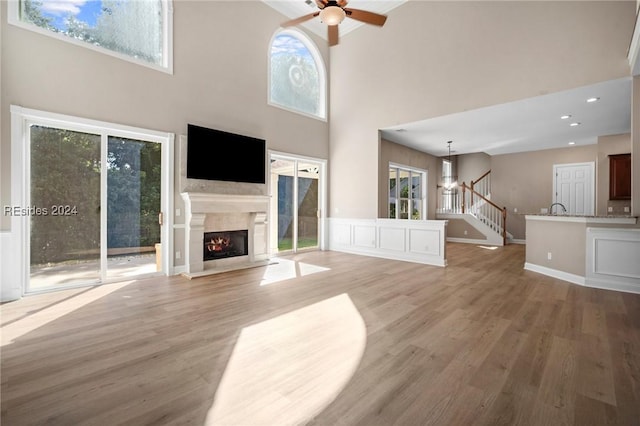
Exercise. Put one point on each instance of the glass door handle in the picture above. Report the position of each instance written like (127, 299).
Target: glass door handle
(160, 218)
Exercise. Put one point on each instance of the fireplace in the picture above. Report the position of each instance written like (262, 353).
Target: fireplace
(217, 213)
(219, 245)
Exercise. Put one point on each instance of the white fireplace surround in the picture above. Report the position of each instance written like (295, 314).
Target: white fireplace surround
(205, 208)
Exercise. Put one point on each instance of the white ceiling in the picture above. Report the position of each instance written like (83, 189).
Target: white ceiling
(295, 8)
(526, 125)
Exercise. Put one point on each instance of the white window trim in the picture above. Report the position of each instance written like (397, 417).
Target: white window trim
(22, 119)
(425, 180)
(322, 71)
(13, 18)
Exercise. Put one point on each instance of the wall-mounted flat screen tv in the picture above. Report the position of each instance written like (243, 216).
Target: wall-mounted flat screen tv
(217, 155)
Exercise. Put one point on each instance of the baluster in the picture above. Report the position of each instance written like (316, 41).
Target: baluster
(463, 196)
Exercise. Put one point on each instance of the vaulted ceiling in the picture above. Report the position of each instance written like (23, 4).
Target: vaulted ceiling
(525, 125)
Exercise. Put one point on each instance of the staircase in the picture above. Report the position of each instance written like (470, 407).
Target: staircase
(473, 204)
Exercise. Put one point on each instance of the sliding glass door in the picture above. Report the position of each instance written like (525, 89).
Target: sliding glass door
(65, 208)
(133, 206)
(308, 179)
(296, 193)
(94, 205)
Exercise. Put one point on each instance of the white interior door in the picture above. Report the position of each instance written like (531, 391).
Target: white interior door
(574, 188)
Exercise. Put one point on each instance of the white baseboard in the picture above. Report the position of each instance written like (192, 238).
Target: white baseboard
(469, 241)
(554, 273)
(177, 270)
(517, 241)
(613, 285)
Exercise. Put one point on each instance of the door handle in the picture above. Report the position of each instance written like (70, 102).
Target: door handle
(160, 219)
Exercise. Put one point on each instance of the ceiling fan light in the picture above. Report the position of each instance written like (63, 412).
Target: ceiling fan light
(332, 15)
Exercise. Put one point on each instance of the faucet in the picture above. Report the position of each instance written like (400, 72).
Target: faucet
(564, 210)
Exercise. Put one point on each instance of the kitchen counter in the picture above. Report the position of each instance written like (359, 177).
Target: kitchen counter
(608, 220)
(595, 251)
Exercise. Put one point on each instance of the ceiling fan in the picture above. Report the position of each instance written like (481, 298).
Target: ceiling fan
(334, 12)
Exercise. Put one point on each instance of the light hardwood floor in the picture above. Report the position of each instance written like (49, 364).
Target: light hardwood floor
(326, 338)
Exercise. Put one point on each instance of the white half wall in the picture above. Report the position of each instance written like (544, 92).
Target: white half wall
(10, 275)
(419, 241)
(613, 259)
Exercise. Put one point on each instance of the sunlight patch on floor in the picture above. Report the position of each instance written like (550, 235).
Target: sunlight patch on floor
(489, 247)
(20, 327)
(285, 370)
(82, 272)
(284, 269)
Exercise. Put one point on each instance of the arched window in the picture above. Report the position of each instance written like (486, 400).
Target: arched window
(297, 77)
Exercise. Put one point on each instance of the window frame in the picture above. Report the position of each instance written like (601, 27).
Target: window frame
(411, 200)
(13, 18)
(320, 65)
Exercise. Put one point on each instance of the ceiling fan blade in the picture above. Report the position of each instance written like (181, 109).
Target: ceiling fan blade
(299, 20)
(333, 35)
(366, 17)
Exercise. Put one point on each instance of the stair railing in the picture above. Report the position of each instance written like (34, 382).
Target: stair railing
(482, 185)
(485, 210)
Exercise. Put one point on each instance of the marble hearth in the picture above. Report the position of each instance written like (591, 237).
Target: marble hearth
(206, 212)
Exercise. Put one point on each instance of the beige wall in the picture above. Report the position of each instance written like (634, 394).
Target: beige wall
(610, 145)
(219, 80)
(524, 181)
(456, 228)
(472, 166)
(564, 240)
(435, 58)
(399, 154)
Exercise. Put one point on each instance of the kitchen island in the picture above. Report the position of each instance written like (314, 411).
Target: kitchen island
(594, 251)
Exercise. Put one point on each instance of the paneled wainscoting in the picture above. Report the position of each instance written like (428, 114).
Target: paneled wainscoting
(613, 259)
(421, 241)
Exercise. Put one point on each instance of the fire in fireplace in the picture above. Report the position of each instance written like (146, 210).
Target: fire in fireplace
(218, 245)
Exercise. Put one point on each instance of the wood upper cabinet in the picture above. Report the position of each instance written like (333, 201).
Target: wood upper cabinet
(620, 177)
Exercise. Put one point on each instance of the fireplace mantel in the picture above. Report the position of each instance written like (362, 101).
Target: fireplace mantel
(199, 204)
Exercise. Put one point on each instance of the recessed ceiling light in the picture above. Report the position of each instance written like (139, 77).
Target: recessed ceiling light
(591, 100)
(565, 117)
(572, 143)
(574, 124)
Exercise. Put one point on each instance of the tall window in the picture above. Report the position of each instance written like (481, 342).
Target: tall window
(448, 185)
(297, 75)
(137, 30)
(447, 174)
(407, 193)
